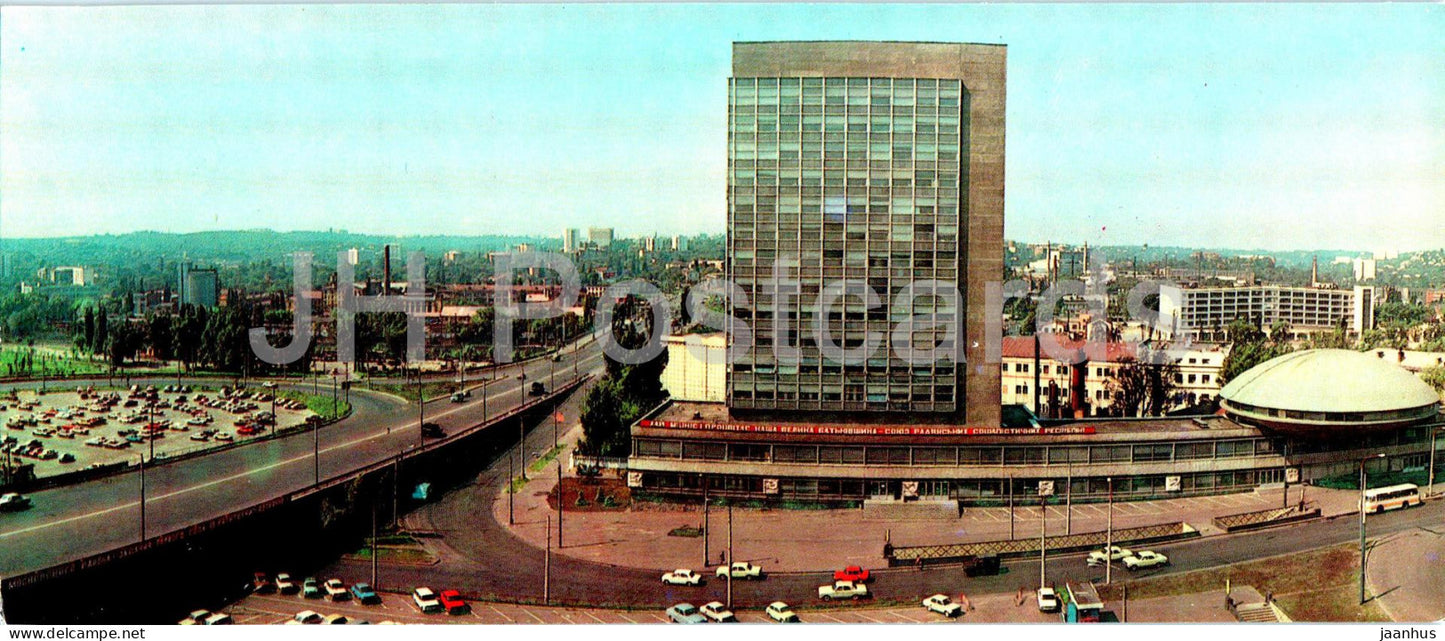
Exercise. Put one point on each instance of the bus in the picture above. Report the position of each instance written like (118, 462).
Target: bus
(1392, 497)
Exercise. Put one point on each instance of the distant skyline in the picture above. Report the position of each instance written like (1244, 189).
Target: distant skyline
(1272, 127)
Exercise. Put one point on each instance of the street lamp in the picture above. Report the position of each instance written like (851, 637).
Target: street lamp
(1363, 486)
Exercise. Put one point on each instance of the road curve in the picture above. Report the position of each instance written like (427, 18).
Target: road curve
(87, 518)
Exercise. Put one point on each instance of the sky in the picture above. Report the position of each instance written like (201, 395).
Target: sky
(1233, 126)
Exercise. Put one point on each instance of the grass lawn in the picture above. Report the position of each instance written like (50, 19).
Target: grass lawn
(396, 548)
(52, 363)
(430, 390)
(319, 403)
(1315, 585)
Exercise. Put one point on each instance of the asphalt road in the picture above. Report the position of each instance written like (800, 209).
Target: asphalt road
(88, 518)
(485, 561)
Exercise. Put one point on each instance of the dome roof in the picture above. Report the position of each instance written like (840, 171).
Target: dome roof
(1330, 380)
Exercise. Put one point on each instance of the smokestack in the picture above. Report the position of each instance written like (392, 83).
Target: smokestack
(1314, 271)
(386, 269)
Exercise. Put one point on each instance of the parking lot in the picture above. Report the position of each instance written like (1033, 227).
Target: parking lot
(61, 431)
(273, 609)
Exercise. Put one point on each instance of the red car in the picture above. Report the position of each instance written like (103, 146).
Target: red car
(453, 602)
(852, 573)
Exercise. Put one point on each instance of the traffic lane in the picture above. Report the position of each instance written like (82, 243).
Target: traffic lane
(263, 471)
(399, 607)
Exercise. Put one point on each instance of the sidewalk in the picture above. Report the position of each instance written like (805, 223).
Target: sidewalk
(836, 538)
(1407, 572)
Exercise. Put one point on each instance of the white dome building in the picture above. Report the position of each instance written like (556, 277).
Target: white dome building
(1331, 393)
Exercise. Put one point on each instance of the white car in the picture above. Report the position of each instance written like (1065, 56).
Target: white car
(427, 601)
(682, 576)
(740, 570)
(718, 612)
(842, 590)
(943, 605)
(1145, 559)
(336, 590)
(781, 612)
(1114, 553)
(1048, 601)
(308, 616)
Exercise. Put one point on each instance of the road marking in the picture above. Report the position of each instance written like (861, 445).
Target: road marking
(501, 614)
(626, 618)
(529, 613)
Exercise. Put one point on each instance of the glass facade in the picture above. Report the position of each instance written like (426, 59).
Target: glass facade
(848, 178)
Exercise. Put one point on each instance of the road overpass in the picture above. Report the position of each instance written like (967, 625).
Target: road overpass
(90, 518)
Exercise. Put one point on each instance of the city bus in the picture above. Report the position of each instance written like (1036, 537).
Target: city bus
(1392, 497)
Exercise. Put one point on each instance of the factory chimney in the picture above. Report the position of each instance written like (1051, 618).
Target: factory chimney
(386, 269)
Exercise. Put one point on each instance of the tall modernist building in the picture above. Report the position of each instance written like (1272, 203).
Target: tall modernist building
(880, 162)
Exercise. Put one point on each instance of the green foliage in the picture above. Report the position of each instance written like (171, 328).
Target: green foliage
(1250, 347)
(1435, 377)
(1401, 314)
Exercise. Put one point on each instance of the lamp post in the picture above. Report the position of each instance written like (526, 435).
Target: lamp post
(1363, 486)
(1430, 491)
(1109, 538)
(142, 498)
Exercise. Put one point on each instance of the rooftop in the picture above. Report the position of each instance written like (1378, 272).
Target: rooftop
(1330, 380)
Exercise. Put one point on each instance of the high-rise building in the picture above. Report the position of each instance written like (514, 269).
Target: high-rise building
(679, 243)
(353, 256)
(600, 237)
(570, 240)
(200, 287)
(880, 162)
(649, 243)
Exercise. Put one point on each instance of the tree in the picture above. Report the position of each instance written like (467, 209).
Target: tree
(1435, 377)
(1144, 387)
(1250, 347)
(102, 331)
(89, 327)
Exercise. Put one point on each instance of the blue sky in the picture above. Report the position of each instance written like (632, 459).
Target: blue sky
(1246, 126)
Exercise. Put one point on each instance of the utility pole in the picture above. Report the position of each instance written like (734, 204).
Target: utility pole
(142, 498)
(511, 493)
(1362, 531)
(420, 408)
(547, 566)
(316, 447)
(1109, 538)
(705, 525)
(729, 564)
(1043, 538)
(373, 544)
(1069, 501)
(559, 504)
(1430, 492)
(1010, 507)
(522, 446)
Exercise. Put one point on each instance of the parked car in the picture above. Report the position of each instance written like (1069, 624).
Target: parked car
(1048, 600)
(781, 612)
(1114, 553)
(335, 619)
(261, 584)
(716, 611)
(218, 618)
(311, 589)
(685, 613)
(1145, 559)
(286, 585)
(453, 602)
(852, 573)
(740, 570)
(426, 600)
(336, 590)
(308, 616)
(365, 595)
(196, 617)
(269, 385)
(682, 576)
(842, 590)
(941, 604)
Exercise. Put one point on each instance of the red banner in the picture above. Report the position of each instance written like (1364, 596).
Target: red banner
(869, 430)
